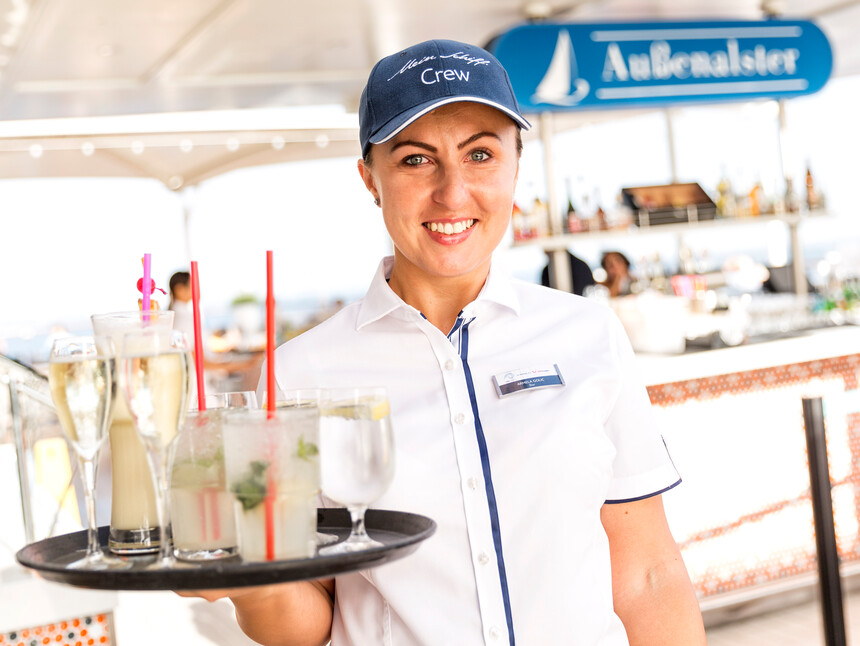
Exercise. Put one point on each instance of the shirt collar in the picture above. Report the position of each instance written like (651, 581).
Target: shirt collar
(381, 301)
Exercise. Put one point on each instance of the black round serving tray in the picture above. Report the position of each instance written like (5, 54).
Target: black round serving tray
(399, 532)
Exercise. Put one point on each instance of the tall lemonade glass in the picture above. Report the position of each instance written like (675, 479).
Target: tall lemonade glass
(357, 456)
(82, 381)
(272, 469)
(202, 524)
(134, 513)
(154, 381)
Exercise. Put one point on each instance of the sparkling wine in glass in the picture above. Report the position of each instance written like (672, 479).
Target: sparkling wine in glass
(356, 456)
(154, 381)
(81, 377)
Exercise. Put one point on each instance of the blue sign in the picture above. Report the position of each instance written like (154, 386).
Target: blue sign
(591, 66)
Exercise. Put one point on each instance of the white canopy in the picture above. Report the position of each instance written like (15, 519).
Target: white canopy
(89, 59)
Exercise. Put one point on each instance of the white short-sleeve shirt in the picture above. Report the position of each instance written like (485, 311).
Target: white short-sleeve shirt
(515, 483)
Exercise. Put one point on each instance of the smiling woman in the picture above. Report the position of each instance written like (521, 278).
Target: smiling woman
(519, 424)
(445, 185)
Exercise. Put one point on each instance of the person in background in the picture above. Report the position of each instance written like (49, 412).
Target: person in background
(617, 268)
(183, 321)
(580, 274)
(547, 500)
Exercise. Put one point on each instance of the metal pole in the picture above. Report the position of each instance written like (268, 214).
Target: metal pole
(670, 141)
(186, 197)
(559, 262)
(798, 265)
(825, 531)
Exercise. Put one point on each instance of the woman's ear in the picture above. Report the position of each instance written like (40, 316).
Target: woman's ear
(367, 177)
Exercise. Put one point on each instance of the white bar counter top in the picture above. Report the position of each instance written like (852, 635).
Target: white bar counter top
(799, 348)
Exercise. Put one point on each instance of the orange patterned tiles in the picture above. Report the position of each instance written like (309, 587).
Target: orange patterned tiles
(85, 631)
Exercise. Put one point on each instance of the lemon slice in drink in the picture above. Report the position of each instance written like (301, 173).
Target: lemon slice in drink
(366, 408)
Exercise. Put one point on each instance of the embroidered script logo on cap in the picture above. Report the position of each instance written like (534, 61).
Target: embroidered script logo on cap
(446, 74)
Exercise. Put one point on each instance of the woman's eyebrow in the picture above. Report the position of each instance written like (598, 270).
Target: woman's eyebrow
(476, 136)
(418, 144)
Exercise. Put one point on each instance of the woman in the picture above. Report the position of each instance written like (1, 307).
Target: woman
(617, 268)
(537, 492)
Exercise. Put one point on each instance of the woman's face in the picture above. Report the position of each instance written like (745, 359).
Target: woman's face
(615, 266)
(446, 186)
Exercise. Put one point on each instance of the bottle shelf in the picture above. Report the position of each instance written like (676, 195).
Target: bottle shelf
(563, 241)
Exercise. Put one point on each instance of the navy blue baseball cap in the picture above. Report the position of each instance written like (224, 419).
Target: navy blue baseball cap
(409, 84)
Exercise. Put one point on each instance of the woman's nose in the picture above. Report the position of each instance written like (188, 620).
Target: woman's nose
(450, 190)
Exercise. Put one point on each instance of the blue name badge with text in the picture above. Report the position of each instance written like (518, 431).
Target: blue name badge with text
(514, 381)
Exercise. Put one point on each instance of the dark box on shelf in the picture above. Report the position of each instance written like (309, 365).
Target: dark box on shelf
(668, 204)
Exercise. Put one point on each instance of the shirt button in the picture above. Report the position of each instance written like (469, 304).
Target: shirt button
(483, 559)
(473, 483)
(495, 633)
(459, 418)
(449, 364)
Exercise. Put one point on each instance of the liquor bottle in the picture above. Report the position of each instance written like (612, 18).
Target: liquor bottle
(755, 199)
(600, 214)
(811, 193)
(538, 215)
(520, 224)
(572, 223)
(726, 205)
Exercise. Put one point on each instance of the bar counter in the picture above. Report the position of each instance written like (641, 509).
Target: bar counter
(732, 421)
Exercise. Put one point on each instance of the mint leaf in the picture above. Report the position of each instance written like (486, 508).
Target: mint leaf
(251, 490)
(306, 450)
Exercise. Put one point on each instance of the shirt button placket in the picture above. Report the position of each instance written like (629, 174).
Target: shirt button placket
(494, 632)
(459, 418)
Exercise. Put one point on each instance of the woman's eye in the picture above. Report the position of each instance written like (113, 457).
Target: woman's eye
(414, 160)
(479, 155)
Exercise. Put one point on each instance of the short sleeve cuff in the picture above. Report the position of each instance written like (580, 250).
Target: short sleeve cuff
(643, 485)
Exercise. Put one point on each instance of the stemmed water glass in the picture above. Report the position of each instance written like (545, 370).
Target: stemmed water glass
(82, 381)
(154, 380)
(356, 456)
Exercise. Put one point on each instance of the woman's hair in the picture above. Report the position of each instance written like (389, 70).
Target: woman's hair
(179, 278)
(614, 253)
(368, 157)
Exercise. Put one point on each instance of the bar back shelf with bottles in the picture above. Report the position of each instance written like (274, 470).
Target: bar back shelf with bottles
(563, 241)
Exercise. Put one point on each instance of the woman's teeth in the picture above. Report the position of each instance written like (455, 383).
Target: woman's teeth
(450, 228)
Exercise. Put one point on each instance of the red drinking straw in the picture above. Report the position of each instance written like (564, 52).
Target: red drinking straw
(270, 338)
(270, 405)
(147, 284)
(198, 336)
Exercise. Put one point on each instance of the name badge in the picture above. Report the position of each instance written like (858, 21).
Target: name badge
(513, 381)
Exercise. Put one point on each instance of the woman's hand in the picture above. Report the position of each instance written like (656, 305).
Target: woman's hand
(283, 614)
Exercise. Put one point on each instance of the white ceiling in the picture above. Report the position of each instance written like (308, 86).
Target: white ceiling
(94, 58)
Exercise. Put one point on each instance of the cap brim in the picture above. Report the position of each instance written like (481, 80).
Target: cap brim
(402, 120)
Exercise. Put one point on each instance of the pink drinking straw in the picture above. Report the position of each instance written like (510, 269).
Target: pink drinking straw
(198, 336)
(270, 405)
(147, 284)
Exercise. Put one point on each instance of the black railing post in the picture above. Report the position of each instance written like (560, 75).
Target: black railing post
(825, 530)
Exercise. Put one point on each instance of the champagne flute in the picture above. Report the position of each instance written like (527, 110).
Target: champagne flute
(356, 456)
(154, 380)
(81, 377)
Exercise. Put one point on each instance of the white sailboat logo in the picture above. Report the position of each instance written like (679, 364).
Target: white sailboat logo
(560, 85)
